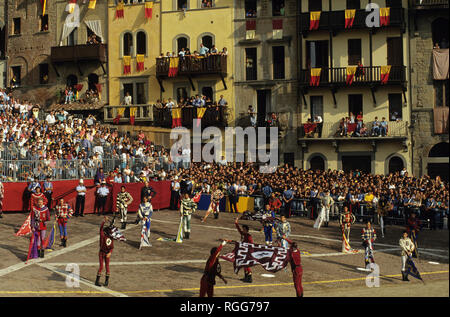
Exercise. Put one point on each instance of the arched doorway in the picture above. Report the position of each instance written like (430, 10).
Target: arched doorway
(317, 163)
(92, 81)
(207, 41)
(438, 164)
(395, 165)
(71, 80)
(182, 42)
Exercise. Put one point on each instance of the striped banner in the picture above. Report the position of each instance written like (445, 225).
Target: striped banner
(314, 20)
(350, 71)
(132, 114)
(173, 66)
(315, 76)
(140, 62)
(119, 10)
(349, 18)
(127, 65)
(385, 16)
(176, 117)
(148, 10)
(385, 71)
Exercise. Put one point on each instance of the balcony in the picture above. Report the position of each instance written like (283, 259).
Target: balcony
(335, 20)
(88, 52)
(370, 76)
(430, 4)
(396, 130)
(192, 66)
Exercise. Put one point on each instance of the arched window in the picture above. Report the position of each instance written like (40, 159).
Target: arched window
(207, 41)
(92, 81)
(317, 163)
(440, 164)
(395, 164)
(182, 42)
(141, 43)
(127, 44)
(440, 34)
(71, 80)
(439, 150)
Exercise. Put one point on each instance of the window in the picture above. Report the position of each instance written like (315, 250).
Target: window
(315, 5)
(353, 4)
(16, 76)
(43, 74)
(71, 80)
(16, 26)
(395, 165)
(182, 92)
(92, 38)
(395, 107)
(278, 62)
(182, 4)
(441, 93)
(141, 43)
(354, 51)
(43, 23)
(207, 41)
(208, 92)
(137, 91)
(317, 54)
(207, 3)
(316, 106)
(141, 99)
(440, 34)
(92, 81)
(355, 105)
(317, 163)
(127, 44)
(278, 8)
(182, 42)
(251, 63)
(250, 9)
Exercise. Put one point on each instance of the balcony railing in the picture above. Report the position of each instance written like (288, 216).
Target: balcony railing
(396, 129)
(335, 20)
(337, 76)
(191, 65)
(430, 4)
(213, 116)
(88, 52)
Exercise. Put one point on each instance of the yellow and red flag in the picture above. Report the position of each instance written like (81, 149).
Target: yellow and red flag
(126, 64)
(350, 71)
(385, 71)
(120, 112)
(140, 62)
(200, 113)
(132, 114)
(119, 10)
(148, 10)
(173, 66)
(315, 76)
(314, 20)
(250, 29)
(92, 4)
(44, 5)
(72, 4)
(277, 27)
(385, 14)
(176, 117)
(25, 228)
(349, 18)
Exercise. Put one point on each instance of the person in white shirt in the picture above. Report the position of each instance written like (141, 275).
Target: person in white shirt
(80, 201)
(407, 247)
(127, 99)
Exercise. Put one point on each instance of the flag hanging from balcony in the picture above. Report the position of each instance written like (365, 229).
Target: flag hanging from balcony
(43, 4)
(200, 113)
(277, 26)
(314, 20)
(349, 18)
(148, 10)
(99, 90)
(385, 16)
(351, 70)
(119, 10)
(176, 117)
(140, 62)
(385, 71)
(315, 76)
(92, 4)
(173, 66)
(120, 112)
(132, 114)
(72, 4)
(250, 29)
(127, 65)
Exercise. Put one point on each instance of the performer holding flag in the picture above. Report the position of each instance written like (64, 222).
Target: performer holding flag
(346, 220)
(413, 228)
(296, 267)
(268, 218)
(245, 237)
(283, 230)
(214, 206)
(145, 212)
(39, 216)
(63, 213)
(407, 248)
(368, 237)
(212, 269)
(187, 207)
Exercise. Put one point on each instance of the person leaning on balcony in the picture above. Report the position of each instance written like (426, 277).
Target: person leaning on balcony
(224, 52)
(359, 70)
(383, 127)
(127, 99)
(319, 121)
(203, 50)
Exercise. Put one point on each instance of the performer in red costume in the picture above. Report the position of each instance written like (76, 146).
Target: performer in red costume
(296, 266)
(39, 215)
(36, 196)
(212, 269)
(245, 237)
(106, 248)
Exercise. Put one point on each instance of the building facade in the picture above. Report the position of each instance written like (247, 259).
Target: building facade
(430, 95)
(349, 68)
(3, 38)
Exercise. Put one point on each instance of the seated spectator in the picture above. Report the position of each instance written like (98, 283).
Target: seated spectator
(375, 128)
(383, 127)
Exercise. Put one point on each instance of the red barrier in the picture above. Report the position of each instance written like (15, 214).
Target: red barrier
(15, 195)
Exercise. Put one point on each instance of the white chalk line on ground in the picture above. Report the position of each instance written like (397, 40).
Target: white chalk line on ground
(82, 280)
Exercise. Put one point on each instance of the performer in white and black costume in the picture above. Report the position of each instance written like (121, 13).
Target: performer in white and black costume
(123, 200)
(214, 206)
(145, 212)
(346, 219)
(407, 249)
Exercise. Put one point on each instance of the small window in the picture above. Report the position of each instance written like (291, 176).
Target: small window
(395, 107)
(207, 4)
(441, 93)
(353, 4)
(141, 43)
(182, 93)
(208, 92)
(278, 8)
(251, 63)
(250, 9)
(354, 51)
(316, 106)
(141, 98)
(182, 4)
(278, 62)
(43, 23)
(207, 41)
(43, 74)
(315, 5)
(182, 42)
(127, 44)
(16, 26)
(16, 76)
(355, 105)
